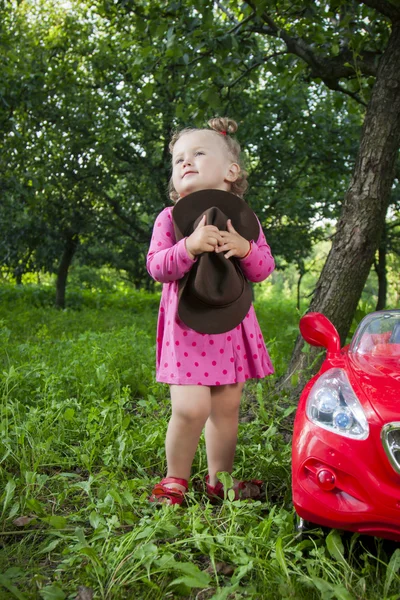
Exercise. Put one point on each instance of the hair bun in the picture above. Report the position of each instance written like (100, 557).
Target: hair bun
(223, 125)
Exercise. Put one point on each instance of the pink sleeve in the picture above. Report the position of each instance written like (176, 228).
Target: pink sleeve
(260, 262)
(167, 260)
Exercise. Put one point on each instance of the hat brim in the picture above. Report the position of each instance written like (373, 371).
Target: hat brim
(209, 319)
(188, 209)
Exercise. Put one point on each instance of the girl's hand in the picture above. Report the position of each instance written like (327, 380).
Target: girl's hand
(233, 243)
(205, 238)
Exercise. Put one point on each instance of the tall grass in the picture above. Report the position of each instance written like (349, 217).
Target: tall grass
(82, 425)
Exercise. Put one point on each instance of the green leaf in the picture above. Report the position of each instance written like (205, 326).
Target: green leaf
(56, 522)
(146, 551)
(241, 571)
(260, 6)
(125, 422)
(147, 532)
(14, 510)
(84, 485)
(9, 493)
(329, 590)
(69, 414)
(193, 577)
(231, 495)
(212, 98)
(14, 572)
(101, 373)
(335, 546)
(226, 480)
(180, 110)
(199, 580)
(95, 520)
(225, 592)
(190, 569)
(280, 557)
(341, 593)
(35, 506)
(391, 570)
(50, 547)
(5, 582)
(91, 553)
(335, 49)
(80, 534)
(52, 592)
(148, 90)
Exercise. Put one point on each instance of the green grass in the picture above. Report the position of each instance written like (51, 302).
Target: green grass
(82, 425)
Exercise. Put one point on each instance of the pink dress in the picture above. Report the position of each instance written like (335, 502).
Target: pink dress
(184, 356)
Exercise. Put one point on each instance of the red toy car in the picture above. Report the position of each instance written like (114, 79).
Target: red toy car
(346, 438)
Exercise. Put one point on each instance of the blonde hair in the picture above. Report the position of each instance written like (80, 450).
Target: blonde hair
(225, 128)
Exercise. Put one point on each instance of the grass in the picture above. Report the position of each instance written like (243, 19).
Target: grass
(82, 434)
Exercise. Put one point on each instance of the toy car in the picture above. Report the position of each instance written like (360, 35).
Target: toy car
(346, 438)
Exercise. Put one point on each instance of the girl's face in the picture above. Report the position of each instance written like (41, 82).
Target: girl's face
(200, 161)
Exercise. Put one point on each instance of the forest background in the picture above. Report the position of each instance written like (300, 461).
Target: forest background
(90, 93)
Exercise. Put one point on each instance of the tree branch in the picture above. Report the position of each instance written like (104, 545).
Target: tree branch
(234, 30)
(125, 231)
(240, 24)
(116, 208)
(254, 66)
(228, 14)
(385, 7)
(329, 69)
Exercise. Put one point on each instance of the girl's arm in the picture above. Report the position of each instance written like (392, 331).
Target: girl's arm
(260, 262)
(167, 260)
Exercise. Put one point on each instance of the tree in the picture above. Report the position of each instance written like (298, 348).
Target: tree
(65, 143)
(352, 45)
(115, 77)
(94, 124)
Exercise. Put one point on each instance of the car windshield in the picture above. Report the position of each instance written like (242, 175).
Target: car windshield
(378, 334)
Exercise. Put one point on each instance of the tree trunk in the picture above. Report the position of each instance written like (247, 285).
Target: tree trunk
(298, 295)
(380, 268)
(363, 213)
(71, 244)
(18, 276)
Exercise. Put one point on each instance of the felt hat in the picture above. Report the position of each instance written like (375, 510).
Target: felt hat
(214, 296)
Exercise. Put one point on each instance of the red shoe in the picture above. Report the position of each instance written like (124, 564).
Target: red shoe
(243, 489)
(167, 495)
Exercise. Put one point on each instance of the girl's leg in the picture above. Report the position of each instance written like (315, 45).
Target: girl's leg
(191, 406)
(221, 429)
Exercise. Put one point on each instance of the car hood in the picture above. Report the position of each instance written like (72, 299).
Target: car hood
(379, 380)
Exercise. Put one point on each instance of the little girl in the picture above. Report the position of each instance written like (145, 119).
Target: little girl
(206, 372)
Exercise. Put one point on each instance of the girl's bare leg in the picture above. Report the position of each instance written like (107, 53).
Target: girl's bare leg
(221, 429)
(191, 406)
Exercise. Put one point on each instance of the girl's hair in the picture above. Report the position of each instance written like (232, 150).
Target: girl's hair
(225, 128)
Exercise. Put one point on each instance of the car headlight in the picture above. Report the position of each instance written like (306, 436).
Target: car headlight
(333, 405)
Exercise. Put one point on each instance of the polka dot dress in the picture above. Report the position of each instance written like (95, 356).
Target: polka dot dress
(184, 356)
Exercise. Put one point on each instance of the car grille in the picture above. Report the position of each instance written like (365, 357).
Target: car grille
(390, 436)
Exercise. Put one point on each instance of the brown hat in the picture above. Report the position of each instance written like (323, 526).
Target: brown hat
(214, 296)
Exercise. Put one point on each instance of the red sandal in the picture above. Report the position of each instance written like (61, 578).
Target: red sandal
(167, 495)
(243, 489)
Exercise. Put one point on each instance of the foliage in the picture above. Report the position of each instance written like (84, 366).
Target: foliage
(86, 127)
(82, 435)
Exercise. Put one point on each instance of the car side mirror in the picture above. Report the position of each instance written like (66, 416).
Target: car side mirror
(318, 330)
